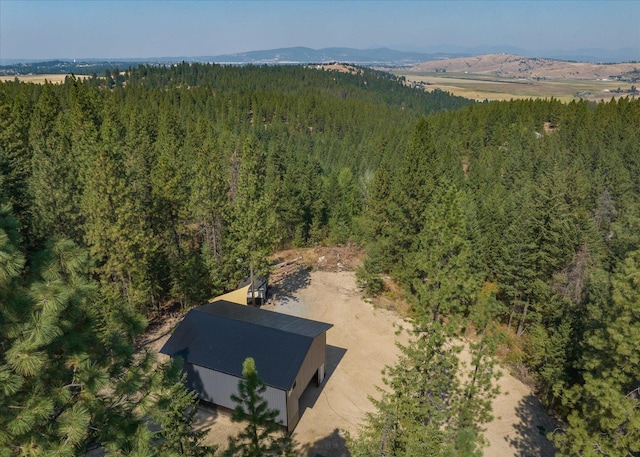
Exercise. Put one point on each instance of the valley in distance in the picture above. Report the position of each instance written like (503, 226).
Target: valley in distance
(479, 77)
(506, 77)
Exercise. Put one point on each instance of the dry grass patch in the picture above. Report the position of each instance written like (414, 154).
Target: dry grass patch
(40, 79)
(486, 87)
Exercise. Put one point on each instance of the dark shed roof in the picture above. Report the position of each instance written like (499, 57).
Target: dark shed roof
(258, 281)
(220, 335)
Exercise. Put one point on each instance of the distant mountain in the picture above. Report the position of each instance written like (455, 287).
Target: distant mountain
(391, 57)
(379, 56)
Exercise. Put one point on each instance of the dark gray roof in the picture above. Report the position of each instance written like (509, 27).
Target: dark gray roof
(220, 335)
(258, 282)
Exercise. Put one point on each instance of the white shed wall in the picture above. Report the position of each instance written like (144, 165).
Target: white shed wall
(216, 387)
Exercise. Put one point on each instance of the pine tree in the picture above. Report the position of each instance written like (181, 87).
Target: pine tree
(253, 227)
(259, 438)
(170, 190)
(175, 412)
(518, 280)
(441, 270)
(430, 407)
(15, 154)
(116, 231)
(345, 207)
(605, 417)
(45, 365)
(62, 146)
(69, 380)
(209, 208)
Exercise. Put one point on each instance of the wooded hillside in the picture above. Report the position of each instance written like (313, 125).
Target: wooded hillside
(526, 212)
(520, 220)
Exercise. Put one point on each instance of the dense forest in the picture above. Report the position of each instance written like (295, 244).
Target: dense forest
(516, 224)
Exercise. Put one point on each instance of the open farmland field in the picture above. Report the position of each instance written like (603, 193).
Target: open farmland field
(481, 86)
(39, 79)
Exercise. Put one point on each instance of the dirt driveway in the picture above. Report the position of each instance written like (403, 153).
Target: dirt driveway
(360, 344)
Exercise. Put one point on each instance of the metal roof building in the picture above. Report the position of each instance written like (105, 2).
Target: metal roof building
(214, 339)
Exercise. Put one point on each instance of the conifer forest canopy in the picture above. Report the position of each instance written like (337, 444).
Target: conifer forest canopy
(120, 194)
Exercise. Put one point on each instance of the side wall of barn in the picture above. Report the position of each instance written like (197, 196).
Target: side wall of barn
(217, 387)
(316, 358)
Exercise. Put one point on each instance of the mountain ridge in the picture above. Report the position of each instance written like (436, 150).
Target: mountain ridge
(382, 57)
(301, 54)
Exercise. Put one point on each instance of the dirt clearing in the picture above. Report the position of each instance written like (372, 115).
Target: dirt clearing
(360, 344)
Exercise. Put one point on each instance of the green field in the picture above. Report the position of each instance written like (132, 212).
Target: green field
(482, 86)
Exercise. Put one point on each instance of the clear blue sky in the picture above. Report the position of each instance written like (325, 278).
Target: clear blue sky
(128, 29)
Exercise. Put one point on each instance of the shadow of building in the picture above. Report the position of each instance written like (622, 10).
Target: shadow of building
(312, 392)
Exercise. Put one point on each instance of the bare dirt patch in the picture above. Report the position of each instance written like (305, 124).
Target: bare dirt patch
(360, 344)
(323, 258)
(339, 67)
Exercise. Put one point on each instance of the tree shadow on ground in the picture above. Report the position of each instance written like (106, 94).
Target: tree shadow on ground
(147, 340)
(206, 416)
(333, 445)
(285, 290)
(311, 394)
(530, 439)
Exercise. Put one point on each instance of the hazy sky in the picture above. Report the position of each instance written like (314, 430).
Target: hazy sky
(111, 29)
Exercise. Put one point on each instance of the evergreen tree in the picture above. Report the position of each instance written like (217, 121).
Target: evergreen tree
(518, 280)
(430, 407)
(605, 417)
(254, 224)
(443, 277)
(260, 437)
(174, 412)
(69, 380)
(116, 231)
(344, 206)
(15, 154)
(209, 208)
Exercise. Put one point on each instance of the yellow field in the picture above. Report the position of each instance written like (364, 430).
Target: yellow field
(39, 79)
(487, 87)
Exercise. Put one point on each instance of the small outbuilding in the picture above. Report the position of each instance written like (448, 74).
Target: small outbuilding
(216, 338)
(256, 289)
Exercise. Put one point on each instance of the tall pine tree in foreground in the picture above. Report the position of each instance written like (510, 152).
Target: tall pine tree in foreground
(260, 437)
(69, 381)
(175, 414)
(434, 403)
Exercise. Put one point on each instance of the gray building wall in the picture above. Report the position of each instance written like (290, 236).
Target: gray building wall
(316, 357)
(216, 387)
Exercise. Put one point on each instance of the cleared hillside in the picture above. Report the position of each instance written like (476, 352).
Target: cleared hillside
(512, 66)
